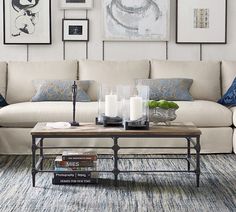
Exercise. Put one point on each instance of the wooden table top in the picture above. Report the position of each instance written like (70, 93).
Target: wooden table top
(92, 130)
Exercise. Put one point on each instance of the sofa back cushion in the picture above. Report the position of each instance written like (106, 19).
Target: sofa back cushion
(21, 75)
(3, 78)
(113, 72)
(228, 73)
(205, 75)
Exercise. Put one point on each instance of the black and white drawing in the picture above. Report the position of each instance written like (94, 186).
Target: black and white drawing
(75, 29)
(136, 20)
(28, 14)
(27, 21)
(201, 21)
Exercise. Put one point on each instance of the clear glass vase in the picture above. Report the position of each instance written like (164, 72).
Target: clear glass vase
(134, 103)
(160, 115)
(109, 103)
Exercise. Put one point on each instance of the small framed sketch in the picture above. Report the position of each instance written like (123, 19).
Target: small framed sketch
(27, 22)
(134, 20)
(76, 4)
(75, 29)
(201, 21)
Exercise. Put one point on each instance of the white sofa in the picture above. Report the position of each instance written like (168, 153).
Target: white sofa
(16, 120)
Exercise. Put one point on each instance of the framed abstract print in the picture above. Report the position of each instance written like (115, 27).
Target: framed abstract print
(27, 21)
(132, 20)
(201, 21)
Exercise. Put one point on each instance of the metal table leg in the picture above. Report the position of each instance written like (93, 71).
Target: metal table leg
(188, 153)
(41, 154)
(115, 149)
(33, 160)
(198, 149)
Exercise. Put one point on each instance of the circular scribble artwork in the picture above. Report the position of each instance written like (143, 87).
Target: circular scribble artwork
(27, 16)
(136, 19)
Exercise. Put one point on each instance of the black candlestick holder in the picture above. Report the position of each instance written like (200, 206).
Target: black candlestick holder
(74, 95)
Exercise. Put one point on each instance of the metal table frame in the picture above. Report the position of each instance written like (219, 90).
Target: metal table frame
(38, 144)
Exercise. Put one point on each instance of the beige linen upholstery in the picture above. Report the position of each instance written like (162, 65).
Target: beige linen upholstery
(3, 78)
(205, 75)
(93, 90)
(204, 113)
(234, 141)
(201, 113)
(228, 74)
(21, 74)
(113, 72)
(213, 140)
(233, 109)
(27, 114)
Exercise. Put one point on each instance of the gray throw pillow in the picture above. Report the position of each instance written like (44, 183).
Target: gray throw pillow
(170, 89)
(59, 90)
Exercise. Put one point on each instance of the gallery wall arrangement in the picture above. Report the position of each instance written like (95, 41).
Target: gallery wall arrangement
(118, 29)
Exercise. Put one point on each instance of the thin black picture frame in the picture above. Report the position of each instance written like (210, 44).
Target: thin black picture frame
(226, 27)
(79, 40)
(28, 43)
(88, 4)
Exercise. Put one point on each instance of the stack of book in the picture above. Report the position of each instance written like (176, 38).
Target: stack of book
(68, 163)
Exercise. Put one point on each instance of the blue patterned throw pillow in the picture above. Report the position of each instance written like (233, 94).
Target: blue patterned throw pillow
(3, 102)
(170, 89)
(229, 98)
(59, 90)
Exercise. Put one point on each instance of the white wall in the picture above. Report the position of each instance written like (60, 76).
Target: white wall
(97, 49)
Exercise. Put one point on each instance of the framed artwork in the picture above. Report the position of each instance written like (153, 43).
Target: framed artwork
(75, 29)
(132, 20)
(201, 21)
(27, 22)
(76, 4)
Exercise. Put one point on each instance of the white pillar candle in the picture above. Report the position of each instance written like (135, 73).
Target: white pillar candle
(111, 105)
(136, 108)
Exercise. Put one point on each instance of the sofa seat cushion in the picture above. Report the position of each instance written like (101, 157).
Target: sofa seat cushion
(27, 114)
(204, 113)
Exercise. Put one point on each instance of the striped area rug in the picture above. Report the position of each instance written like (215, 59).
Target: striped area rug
(135, 192)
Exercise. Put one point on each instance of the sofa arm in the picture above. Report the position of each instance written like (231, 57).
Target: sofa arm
(234, 141)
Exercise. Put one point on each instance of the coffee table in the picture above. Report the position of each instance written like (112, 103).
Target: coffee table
(87, 130)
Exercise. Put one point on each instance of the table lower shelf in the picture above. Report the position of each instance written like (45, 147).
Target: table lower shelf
(37, 166)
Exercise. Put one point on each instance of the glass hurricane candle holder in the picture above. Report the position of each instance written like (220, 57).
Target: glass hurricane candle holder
(109, 111)
(134, 107)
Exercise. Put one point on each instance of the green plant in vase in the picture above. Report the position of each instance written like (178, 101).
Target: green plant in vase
(162, 111)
